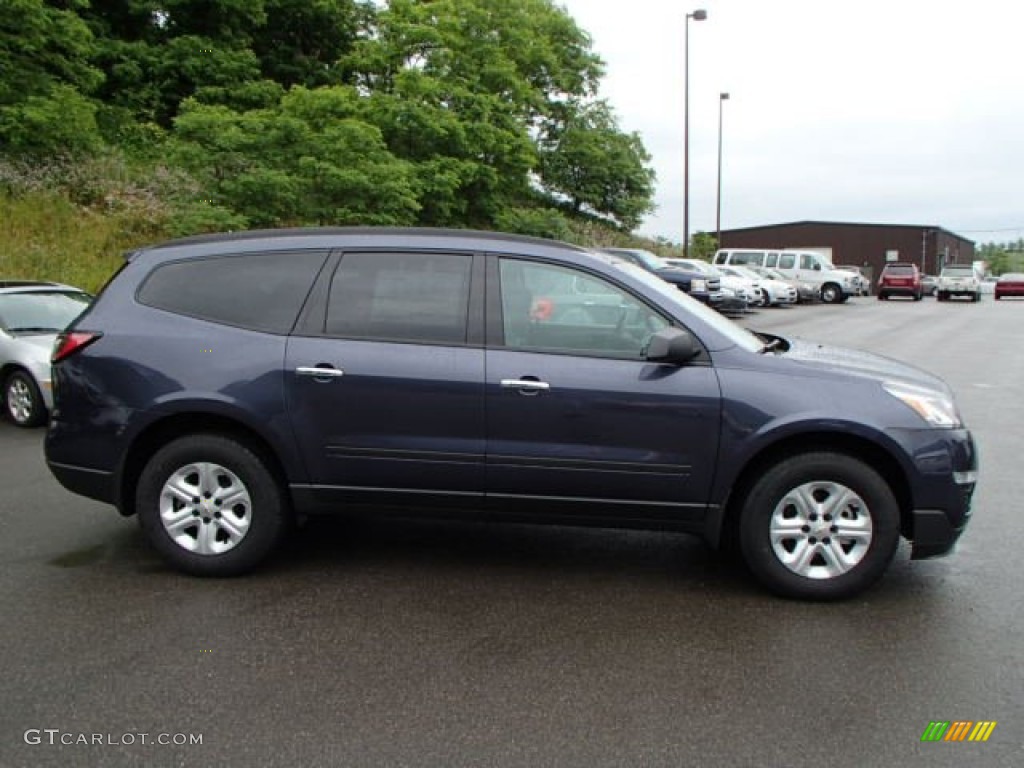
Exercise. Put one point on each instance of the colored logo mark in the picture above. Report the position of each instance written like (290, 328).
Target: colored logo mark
(958, 730)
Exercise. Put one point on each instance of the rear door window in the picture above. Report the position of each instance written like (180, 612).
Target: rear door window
(404, 296)
(259, 291)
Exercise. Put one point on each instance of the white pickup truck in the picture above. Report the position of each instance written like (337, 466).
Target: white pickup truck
(835, 285)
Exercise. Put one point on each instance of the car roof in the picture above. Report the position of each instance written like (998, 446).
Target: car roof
(35, 286)
(329, 237)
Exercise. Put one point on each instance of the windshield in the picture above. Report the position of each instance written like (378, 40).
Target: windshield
(650, 260)
(678, 299)
(41, 311)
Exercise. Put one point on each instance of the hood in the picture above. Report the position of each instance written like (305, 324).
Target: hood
(860, 363)
(677, 275)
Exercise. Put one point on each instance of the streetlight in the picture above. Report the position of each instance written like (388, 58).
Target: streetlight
(722, 98)
(698, 15)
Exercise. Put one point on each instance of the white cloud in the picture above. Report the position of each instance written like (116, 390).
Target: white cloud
(879, 110)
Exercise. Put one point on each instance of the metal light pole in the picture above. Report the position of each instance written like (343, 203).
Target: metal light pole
(722, 98)
(698, 15)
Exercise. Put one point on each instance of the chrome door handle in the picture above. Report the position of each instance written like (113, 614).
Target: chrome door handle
(319, 373)
(527, 384)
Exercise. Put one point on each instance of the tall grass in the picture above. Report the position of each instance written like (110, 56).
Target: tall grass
(44, 236)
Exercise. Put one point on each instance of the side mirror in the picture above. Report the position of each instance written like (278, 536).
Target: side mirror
(817, 267)
(672, 346)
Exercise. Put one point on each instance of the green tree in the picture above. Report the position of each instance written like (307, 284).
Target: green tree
(702, 246)
(309, 160)
(46, 79)
(597, 167)
(42, 46)
(461, 87)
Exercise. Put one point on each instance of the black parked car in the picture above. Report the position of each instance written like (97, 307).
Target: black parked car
(222, 386)
(702, 287)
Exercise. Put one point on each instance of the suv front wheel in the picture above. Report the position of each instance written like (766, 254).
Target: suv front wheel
(210, 506)
(820, 526)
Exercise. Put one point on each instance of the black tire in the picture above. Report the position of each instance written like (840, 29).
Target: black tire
(264, 511)
(918, 296)
(23, 402)
(882, 297)
(831, 293)
(832, 472)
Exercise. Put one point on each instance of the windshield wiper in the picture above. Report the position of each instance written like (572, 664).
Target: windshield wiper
(33, 329)
(772, 346)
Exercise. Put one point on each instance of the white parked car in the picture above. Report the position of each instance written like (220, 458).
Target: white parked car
(741, 287)
(805, 292)
(959, 280)
(31, 316)
(776, 292)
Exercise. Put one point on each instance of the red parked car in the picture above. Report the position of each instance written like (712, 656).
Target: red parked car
(1010, 284)
(900, 278)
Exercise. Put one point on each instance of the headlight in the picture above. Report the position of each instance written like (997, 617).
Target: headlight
(934, 407)
(698, 285)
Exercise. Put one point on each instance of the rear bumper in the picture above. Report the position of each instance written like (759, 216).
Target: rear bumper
(91, 483)
(899, 290)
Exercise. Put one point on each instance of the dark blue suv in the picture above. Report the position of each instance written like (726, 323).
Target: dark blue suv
(222, 387)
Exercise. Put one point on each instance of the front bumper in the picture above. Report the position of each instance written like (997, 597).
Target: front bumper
(942, 487)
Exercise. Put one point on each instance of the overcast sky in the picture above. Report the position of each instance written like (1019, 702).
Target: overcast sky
(880, 111)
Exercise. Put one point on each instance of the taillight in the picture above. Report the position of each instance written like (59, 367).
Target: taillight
(68, 344)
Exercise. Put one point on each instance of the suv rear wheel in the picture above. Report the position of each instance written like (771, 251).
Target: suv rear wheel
(210, 506)
(831, 293)
(821, 526)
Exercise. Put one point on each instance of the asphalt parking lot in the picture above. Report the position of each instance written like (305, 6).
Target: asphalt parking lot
(413, 644)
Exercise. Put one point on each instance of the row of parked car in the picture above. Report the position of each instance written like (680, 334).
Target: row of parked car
(955, 281)
(742, 279)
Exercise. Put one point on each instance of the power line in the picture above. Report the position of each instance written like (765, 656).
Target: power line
(1004, 229)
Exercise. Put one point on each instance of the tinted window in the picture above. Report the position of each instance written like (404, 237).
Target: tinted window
(807, 261)
(771, 260)
(261, 291)
(420, 297)
(555, 309)
(787, 261)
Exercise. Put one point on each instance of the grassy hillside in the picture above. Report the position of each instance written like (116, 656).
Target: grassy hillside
(46, 237)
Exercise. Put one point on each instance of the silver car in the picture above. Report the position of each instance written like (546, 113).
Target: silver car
(31, 316)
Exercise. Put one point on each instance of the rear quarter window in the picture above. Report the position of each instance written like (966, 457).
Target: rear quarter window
(259, 291)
